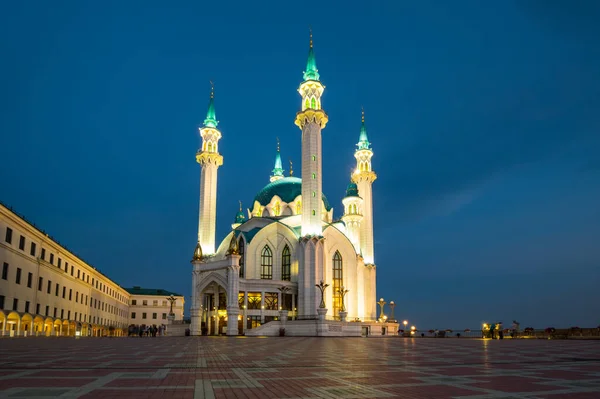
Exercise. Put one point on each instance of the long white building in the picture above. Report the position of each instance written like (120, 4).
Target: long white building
(46, 290)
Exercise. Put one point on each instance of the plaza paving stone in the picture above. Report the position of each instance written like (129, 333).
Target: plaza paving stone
(285, 367)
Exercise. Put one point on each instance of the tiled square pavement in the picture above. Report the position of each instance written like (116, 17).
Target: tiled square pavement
(221, 367)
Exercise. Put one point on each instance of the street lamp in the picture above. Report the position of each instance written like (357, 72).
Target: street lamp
(405, 322)
(342, 291)
(321, 286)
(171, 299)
(382, 304)
(392, 306)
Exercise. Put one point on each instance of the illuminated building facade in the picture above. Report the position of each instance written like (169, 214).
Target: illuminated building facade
(288, 240)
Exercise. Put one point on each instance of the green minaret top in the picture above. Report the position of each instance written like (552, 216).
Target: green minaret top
(311, 73)
(363, 141)
(211, 119)
(278, 170)
(239, 216)
(352, 190)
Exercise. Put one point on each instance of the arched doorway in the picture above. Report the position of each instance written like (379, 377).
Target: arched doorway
(38, 325)
(26, 325)
(212, 298)
(14, 324)
(3, 324)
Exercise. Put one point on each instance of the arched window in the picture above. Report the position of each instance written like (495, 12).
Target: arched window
(286, 264)
(241, 247)
(338, 275)
(298, 208)
(277, 209)
(266, 264)
(313, 103)
(210, 147)
(306, 104)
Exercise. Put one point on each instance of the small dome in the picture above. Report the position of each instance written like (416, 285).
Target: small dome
(352, 190)
(239, 217)
(287, 189)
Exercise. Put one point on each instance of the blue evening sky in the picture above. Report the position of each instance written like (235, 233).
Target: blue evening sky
(484, 119)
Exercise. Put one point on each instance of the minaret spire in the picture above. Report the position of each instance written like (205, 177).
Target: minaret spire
(211, 119)
(278, 170)
(311, 73)
(363, 141)
(291, 169)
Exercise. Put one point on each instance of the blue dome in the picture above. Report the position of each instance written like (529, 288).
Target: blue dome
(287, 189)
(352, 190)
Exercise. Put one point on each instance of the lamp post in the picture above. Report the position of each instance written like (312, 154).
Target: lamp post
(172, 300)
(321, 286)
(382, 304)
(343, 291)
(392, 306)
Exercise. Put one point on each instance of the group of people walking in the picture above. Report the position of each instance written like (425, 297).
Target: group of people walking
(147, 331)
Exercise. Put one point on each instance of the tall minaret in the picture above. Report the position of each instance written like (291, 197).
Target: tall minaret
(353, 214)
(364, 177)
(311, 120)
(209, 159)
(278, 170)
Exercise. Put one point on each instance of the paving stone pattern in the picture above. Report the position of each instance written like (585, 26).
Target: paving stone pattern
(241, 367)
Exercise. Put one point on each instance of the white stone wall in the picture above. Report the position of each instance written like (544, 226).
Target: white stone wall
(208, 208)
(312, 189)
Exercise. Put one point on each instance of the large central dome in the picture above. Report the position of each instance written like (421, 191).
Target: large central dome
(287, 188)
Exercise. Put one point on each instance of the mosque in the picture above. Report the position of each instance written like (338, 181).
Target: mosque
(288, 241)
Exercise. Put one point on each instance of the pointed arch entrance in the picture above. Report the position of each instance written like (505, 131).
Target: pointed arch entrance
(212, 294)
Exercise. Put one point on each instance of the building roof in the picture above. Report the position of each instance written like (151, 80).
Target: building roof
(150, 291)
(287, 189)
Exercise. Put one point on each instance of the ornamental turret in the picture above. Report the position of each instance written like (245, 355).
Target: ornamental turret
(239, 218)
(353, 214)
(209, 159)
(311, 119)
(364, 177)
(278, 169)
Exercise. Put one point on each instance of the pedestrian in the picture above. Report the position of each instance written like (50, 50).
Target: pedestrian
(492, 328)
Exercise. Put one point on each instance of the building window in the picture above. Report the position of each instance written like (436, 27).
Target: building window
(29, 279)
(68, 314)
(155, 302)
(78, 273)
(133, 315)
(37, 309)
(314, 212)
(55, 310)
(49, 289)
(59, 264)
(64, 292)
(337, 283)
(143, 315)
(22, 243)
(164, 303)
(66, 266)
(72, 269)
(51, 259)
(164, 316)
(266, 263)
(40, 282)
(242, 250)
(56, 290)
(154, 316)
(271, 301)
(48, 310)
(27, 303)
(314, 175)
(145, 302)
(8, 237)
(314, 157)
(313, 103)
(314, 194)
(5, 271)
(133, 302)
(254, 300)
(77, 296)
(286, 264)
(18, 280)
(70, 293)
(32, 248)
(43, 256)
